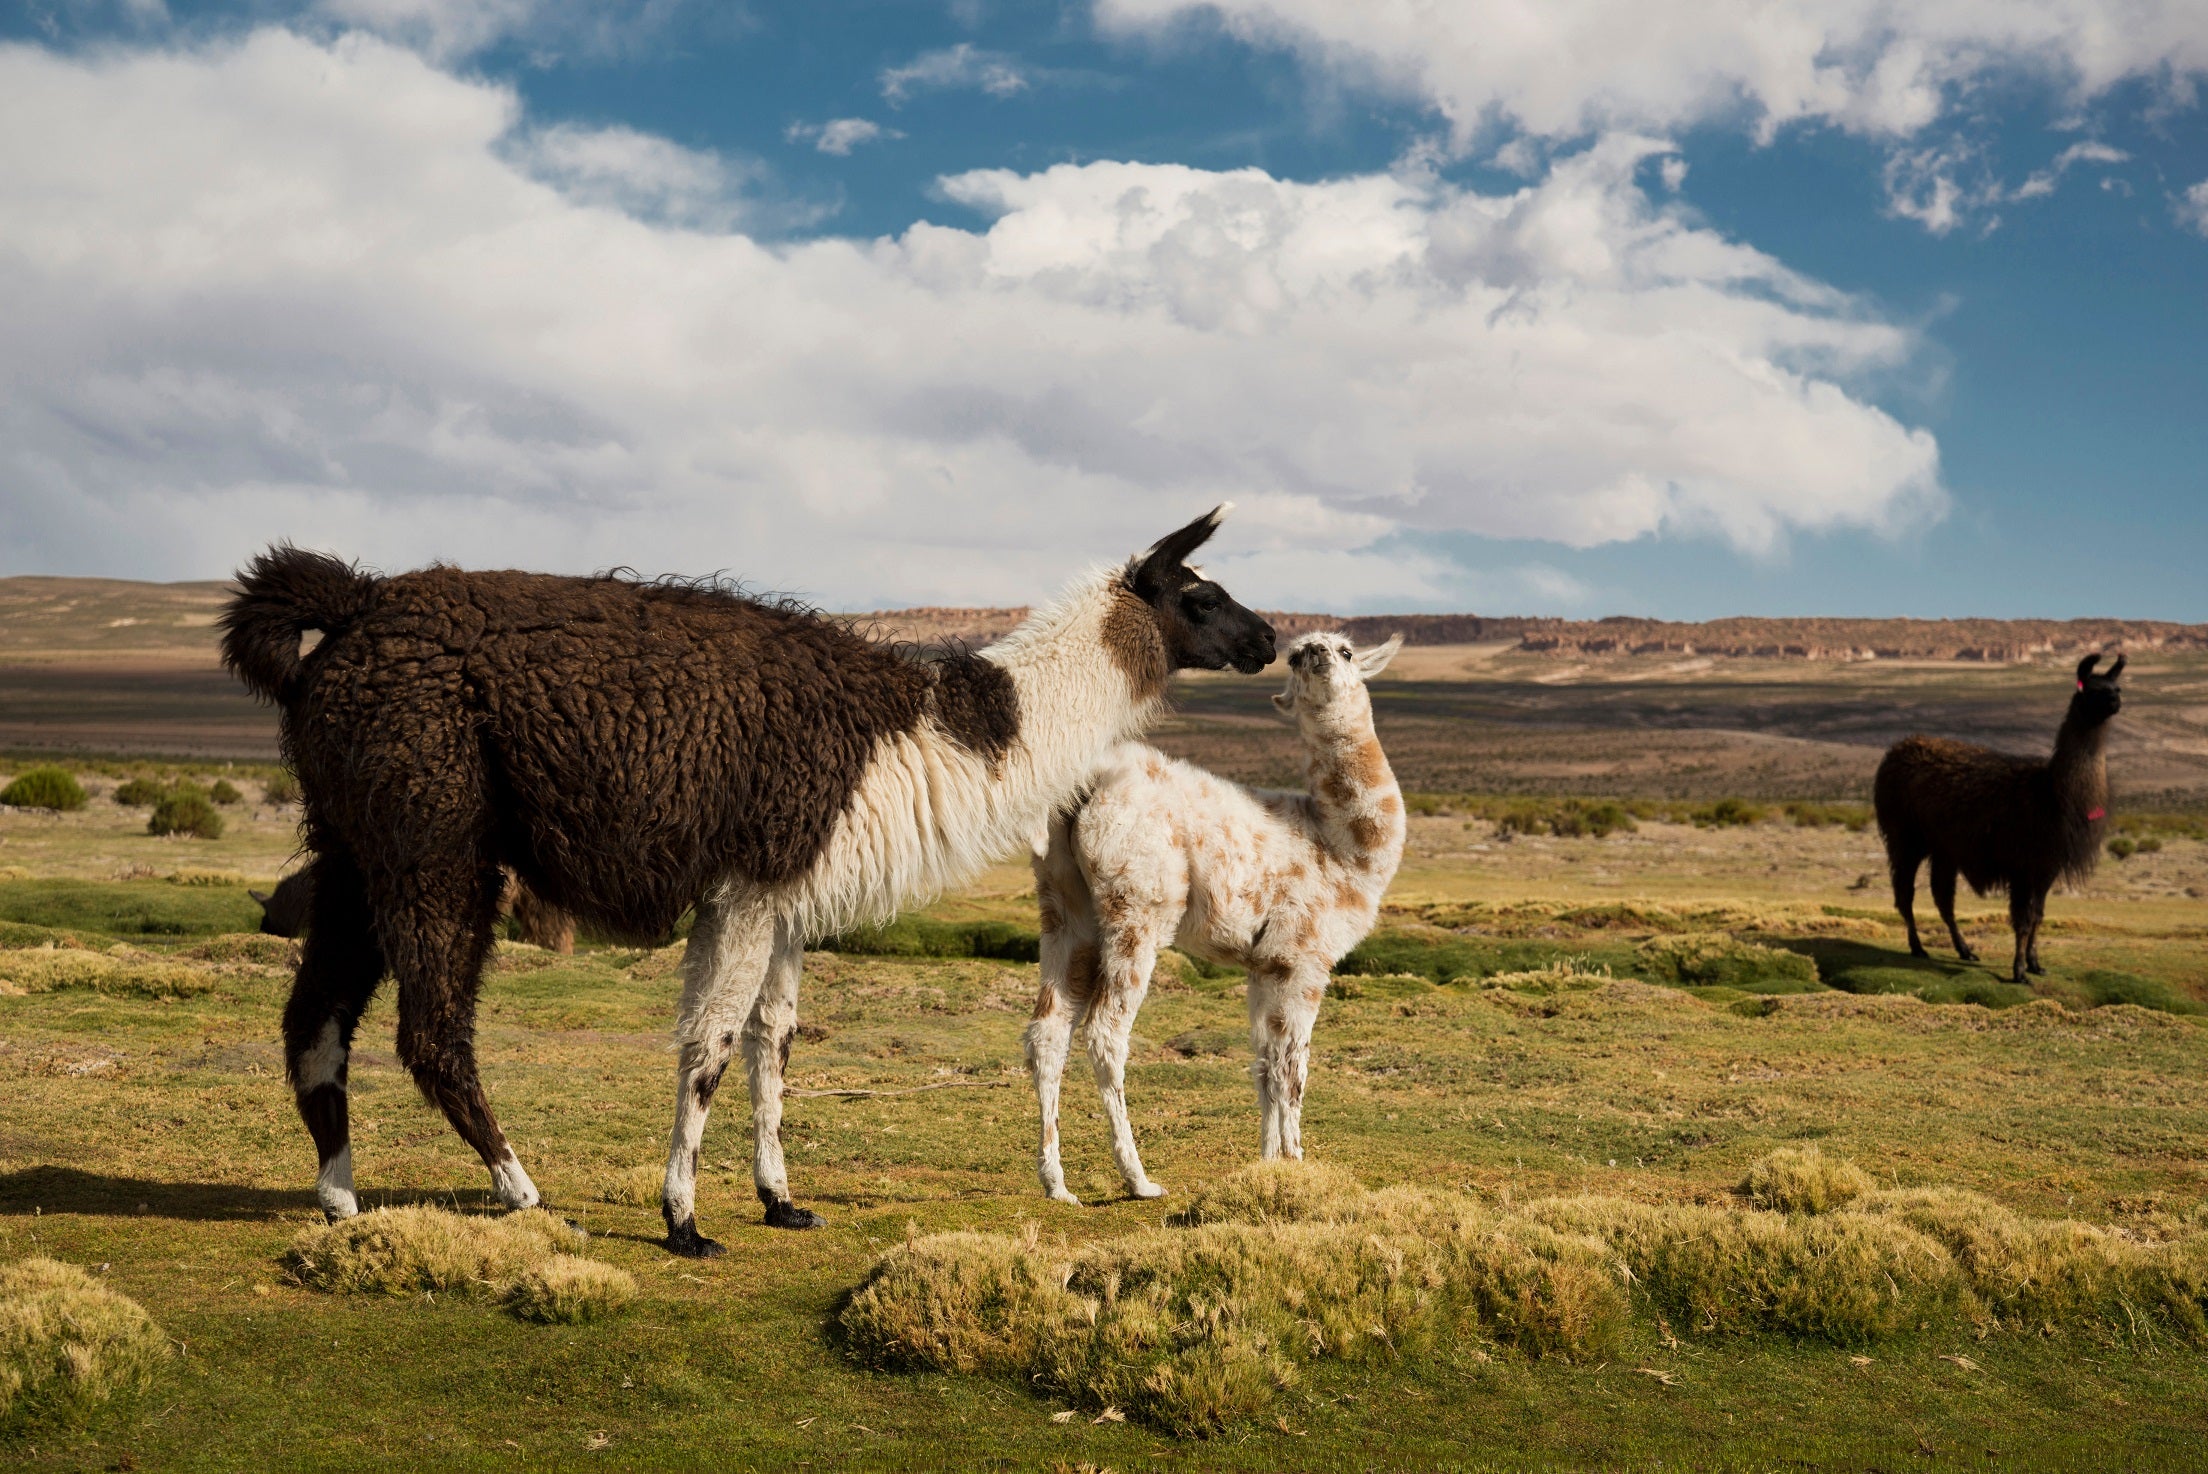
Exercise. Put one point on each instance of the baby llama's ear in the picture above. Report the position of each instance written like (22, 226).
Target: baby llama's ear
(1375, 660)
(1285, 702)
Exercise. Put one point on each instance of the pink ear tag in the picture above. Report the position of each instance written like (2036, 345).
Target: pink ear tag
(2095, 815)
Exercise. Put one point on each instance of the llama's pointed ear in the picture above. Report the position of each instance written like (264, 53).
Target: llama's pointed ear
(1172, 550)
(2117, 669)
(260, 896)
(2085, 667)
(1284, 702)
(1375, 660)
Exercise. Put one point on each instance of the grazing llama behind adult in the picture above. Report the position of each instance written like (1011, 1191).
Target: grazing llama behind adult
(631, 750)
(1282, 884)
(2002, 822)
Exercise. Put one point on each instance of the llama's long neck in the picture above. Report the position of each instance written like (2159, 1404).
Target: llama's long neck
(1090, 672)
(1354, 795)
(2080, 764)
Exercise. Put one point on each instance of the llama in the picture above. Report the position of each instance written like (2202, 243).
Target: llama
(632, 750)
(1282, 884)
(284, 911)
(2002, 822)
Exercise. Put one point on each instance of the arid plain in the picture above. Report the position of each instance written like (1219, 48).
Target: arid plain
(1548, 1025)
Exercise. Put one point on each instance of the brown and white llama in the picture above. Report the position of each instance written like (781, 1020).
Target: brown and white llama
(632, 750)
(1159, 852)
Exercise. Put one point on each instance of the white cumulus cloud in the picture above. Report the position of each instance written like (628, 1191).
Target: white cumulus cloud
(2192, 208)
(279, 288)
(1567, 68)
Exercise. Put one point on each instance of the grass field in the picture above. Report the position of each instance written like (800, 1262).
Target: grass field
(148, 1135)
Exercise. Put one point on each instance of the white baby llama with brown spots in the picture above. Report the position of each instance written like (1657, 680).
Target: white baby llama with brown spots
(1282, 884)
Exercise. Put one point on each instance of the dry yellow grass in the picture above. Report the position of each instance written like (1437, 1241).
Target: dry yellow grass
(1803, 1180)
(631, 1187)
(1192, 1327)
(68, 1343)
(527, 1261)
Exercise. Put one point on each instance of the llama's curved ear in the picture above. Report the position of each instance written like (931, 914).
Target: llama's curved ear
(2085, 667)
(2115, 670)
(1375, 660)
(1284, 702)
(261, 896)
(1172, 550)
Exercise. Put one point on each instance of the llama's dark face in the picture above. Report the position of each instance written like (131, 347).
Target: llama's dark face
(1202, 625)
(2098, 697)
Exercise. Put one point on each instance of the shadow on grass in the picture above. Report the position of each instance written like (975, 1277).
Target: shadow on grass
(52, 1189)
(1863, 967)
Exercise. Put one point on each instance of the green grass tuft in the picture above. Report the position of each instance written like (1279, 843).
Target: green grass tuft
(918, 936)
(69, 1344)
(1717, 959)
(185, 810)
(44, 788)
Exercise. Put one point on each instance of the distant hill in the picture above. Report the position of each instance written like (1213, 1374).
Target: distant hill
(2001, 640)
(71, 619)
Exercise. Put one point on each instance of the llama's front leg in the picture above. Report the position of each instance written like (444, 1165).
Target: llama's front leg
(2020, 923)
(1068, 979)
(766, 1056)
(1126, 980)
(722, 966)
(1284, 1003)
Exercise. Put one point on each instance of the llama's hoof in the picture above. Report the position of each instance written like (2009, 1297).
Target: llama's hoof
(2036, 970)
(1060, 1195)
(1917, 950)
(782, 1213)
(1966, 954)
(1145, 1190)
(684, 1239)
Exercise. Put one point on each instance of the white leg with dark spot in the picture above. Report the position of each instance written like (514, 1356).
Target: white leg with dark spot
(722, 968)
(767, 1038)
(1049, 1043)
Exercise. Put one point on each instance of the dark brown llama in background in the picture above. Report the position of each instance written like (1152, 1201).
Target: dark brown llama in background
(2002, 822)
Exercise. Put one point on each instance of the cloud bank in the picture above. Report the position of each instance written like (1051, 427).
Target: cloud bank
(282, 287)
(1569, 68)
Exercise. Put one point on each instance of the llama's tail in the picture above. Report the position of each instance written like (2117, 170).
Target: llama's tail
(283, 593)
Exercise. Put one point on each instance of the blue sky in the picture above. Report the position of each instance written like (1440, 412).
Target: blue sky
(1662, 308)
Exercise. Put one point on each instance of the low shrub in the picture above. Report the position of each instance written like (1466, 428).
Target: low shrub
(2123, 847)
(1855, 818)
(281, 788)
(187, 811)
(527, 1261)
(44, 788)
(69, 1344)
(225, 793)
(1725, 813)
(1803, 1180)
(1565, 818)
(139, 793)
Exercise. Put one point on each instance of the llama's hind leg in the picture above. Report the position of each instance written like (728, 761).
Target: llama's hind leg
(438, 939)
(1130, 954)
(339, 968)
(2031, 950)
(767, 1038)
(2023, 921)
(1943, 896)
(1068, 983)
(1901, 864)
(723, 965)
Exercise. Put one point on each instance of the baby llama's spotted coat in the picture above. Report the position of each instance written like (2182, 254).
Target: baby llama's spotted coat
(1282, 884)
